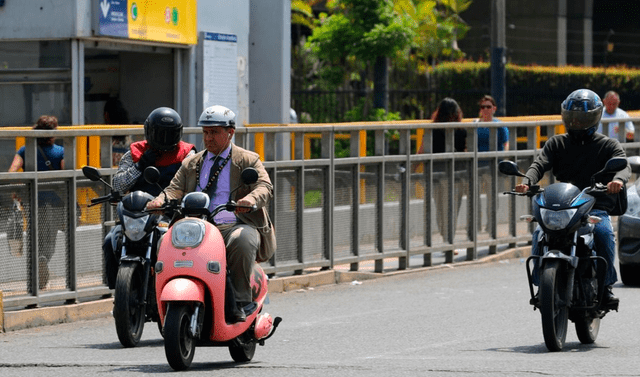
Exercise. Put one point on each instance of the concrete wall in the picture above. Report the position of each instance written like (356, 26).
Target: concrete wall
(40, 19)
(270, 49)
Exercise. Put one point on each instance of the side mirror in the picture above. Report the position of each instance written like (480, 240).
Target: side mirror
(151, 174)
(249, 176)
(94, 175)
(615, 164)
(91, 173)
(509, 168)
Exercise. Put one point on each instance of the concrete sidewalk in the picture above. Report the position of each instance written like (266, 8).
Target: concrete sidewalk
(21, 319)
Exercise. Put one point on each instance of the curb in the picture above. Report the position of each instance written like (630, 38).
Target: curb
(28, 318)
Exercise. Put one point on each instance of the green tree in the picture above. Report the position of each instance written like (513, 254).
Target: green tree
(361, 33)
(438, 27)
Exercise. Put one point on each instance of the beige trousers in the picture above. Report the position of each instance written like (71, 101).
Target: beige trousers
(242, 242)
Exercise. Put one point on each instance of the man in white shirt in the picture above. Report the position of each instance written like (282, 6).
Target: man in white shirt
(611, 102)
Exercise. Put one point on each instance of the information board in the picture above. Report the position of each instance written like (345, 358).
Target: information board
(220, 70)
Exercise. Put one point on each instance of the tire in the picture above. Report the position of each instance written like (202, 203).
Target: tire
(553, 305)
(128, 312)
(242, 353)
(587, 330)
(630, 274)
(179, 346)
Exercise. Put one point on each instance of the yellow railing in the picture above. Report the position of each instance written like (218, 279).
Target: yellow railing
(417, 137)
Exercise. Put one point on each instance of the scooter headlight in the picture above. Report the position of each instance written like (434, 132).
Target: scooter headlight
(134, 227)
(556, 220)
(187, 233)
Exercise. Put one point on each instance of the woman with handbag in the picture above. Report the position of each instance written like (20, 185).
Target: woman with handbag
(51, 208)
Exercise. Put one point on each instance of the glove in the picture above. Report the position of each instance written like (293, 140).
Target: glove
(148, 158)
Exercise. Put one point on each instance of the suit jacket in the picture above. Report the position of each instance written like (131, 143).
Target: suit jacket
(259, 193)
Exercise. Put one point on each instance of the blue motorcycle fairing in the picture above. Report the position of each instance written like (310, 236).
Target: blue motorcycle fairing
(133, 203)
(558, 196)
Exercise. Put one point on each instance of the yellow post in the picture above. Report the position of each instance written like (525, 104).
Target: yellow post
(94, 151)
(259, 140)
(420, 168)
(81, 152)
(363, 153)
(419, 136)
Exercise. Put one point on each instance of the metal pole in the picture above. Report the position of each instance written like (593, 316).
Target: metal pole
(498, 56)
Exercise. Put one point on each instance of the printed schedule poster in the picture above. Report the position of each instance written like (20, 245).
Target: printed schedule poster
(220, 72)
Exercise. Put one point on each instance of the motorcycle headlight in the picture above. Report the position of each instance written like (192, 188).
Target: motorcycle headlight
(134, 227)
(187, 233)
(556, 220)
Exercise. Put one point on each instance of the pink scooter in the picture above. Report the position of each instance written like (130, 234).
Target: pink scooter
(191, 281)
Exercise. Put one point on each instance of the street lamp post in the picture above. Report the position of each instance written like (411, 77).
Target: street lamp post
(498, 55)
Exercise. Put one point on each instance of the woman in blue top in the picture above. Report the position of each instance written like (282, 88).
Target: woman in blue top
(51, 209)
(487, 109)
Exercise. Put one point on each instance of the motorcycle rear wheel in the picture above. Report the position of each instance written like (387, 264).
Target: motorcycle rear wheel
(128, 312)
(553, 305)
(179, 346)
(587, 329)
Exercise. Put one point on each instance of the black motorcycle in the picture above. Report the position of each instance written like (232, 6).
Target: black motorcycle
(571, 274)
(135, 237)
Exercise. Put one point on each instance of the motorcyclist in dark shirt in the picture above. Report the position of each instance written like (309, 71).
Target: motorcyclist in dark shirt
(574, 157)
(163, 148)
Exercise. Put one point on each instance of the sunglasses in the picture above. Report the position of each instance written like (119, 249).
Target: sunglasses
(486, 106)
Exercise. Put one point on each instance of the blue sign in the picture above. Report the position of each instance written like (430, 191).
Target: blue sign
(113, 18)
(221, 37)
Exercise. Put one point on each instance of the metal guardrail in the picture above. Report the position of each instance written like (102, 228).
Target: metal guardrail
(327, 211)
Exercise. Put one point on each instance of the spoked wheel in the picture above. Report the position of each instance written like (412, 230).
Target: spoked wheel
(587, 329)
(179, 346)
(242, 353)
(553, 305)
(128, 311)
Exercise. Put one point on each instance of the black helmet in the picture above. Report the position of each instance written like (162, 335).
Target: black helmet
(163, 129)
(581, 112)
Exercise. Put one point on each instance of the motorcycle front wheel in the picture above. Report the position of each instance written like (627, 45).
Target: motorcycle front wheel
(128, 311)
(179, 346)
(553, 304)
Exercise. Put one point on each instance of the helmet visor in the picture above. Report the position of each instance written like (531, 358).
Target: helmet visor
(164, 138)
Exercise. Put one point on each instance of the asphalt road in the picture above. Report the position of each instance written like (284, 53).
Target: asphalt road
(461, 321)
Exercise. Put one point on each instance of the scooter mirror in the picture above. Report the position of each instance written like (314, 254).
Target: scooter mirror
(91, 173)
(151, 174)
(509, 168)
(249, 176)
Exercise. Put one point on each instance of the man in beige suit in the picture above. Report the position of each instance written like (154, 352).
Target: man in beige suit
(249, 236)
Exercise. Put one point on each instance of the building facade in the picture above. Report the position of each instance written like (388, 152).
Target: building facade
(559, 32)
(68, 57)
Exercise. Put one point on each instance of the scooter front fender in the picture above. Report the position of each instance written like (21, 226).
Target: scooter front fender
(182, 289)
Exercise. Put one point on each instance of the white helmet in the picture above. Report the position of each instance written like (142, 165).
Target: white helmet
(217, 116)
